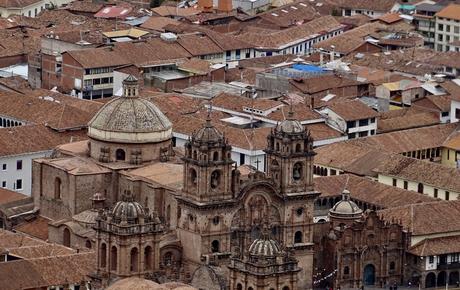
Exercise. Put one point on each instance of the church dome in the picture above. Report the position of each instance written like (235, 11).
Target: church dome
(264, 247)
(208, 134)
(345, 208)
(128, 210)
(130, 119)
(135, 283)
(290, 125)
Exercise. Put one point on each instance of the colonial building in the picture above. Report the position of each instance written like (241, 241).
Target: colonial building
(208, 211)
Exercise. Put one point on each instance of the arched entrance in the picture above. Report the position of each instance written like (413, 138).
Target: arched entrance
(442, 278)
(369, 275)
(453, 278)
(430, 280)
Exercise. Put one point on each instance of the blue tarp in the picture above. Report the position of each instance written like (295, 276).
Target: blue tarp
(308, 68)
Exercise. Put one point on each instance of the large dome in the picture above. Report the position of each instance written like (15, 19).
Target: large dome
(208, 134)
(346, 208)
(130, 119)
(264, 247)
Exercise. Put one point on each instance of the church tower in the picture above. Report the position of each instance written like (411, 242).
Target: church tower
(290, 166)
(127, 242)
(290, 157)
(207, 197)
(208, 166)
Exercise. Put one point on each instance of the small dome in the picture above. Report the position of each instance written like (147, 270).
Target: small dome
(346, 208)
(290, 125)
(128, 209)
(130, 119)
(135, 283)
(208, 134)
(264, 247)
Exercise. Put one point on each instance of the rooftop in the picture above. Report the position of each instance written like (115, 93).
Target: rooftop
(352, 110)
(452, 11)
(436, 246)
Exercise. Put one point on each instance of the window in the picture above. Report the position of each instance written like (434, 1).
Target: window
(134, 260)
(216, 220)
(103, 255)
(298, 237)
(363, 134)
(435, 193)
(420, 188)
(333, 172)
(19, 164)
(447, 195)
(440, 27)
(18, 184)
(405, 184)
(242, 158)
(3, 166)
(346, 270)
(215, 246)
(392, 266)
(297, 171)
(215, 179)
(363, 122)
(120, 155)
(440, 38)
(372, 120)
(238, 54)
(351, 124)
(455, 258)
(395, 182)
(372, 132)
(113, 258)
(57, 188)
(445, 114)
(447, 28)
(228, 55)
(352, 136)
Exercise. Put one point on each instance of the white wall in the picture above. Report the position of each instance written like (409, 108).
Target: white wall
(11, 174)
(30, 11)
(454, 105)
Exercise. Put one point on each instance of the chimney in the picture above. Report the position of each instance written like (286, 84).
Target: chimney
(205, 5)
(225, 5)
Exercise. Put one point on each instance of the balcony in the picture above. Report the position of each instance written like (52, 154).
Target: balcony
(451, 266)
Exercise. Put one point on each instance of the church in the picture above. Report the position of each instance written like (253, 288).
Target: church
(156, 212)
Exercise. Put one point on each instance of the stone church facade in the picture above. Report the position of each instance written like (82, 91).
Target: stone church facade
(100, 194)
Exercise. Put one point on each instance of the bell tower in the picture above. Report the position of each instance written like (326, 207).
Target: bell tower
(208, 166)
(290, 157)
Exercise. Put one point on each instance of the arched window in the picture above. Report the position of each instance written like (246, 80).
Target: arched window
(195, 155)
(346, 270)
(66, 237)
(120, 155)
(298, 237)
(277, 146)
(297, 171)
(168, 214)
(239, 286)
(193, 177)
(167, 259)
(285, 288)
(215, 156)
(8, 123)
(103, 255)
(148, 258)
(57, 188)
(420, 188)
(215, 246)
(250, 288)
(134, 259)
(392, 266)
(113, 258)
(88, 244)
(298, 148)
(215, 179)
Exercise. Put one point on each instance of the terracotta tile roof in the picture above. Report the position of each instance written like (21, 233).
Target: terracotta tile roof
(196, 66)
(452, 88)
(237, 103)
(173, 11)
(453, 142)
(355, 20)
(17, 3)
(446, 59)
(46, 110)
(40, 251)
(425, 218)
(436, 246)
(429, 173)
(452, 11)
(278, 39)
(366, 190)
(113, 12)
(316, 84)
(405, 119)
(321, 131)
(352, 110)
(84, 6)
(290, 14)
(390, 18)
(438, 103)
(37, 228)
(198, 44)
(34, 138)
(381, 5)
(158, 23)
(47, 271)
(7, 196)
(10, 240)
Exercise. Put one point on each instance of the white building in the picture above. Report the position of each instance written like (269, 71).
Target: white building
(29, 8)
(447, 29)
(373, 9)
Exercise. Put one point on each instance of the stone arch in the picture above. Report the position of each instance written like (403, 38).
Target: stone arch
(193, 177)
(103, 255)
(454, 278)
(215, 179)
(215, 156)
(134, 258)
(369, 274)
(285, 288)
(120, 155)
(297, 171)
(441, 280)
(430, 280)
(148, 258)
(239, 286)
(298, 148)
(113, 258)
(66, 237)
